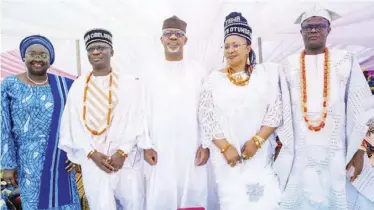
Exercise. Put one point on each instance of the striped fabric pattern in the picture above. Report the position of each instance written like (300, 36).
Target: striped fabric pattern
(97, 103)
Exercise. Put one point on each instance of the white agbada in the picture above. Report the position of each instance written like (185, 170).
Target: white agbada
(173, 90)
(311, 165)
(237, 113)
(125, 130)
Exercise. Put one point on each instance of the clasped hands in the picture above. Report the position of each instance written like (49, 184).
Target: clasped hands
(106, 163)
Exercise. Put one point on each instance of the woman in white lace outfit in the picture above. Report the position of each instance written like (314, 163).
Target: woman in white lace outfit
(239, 109)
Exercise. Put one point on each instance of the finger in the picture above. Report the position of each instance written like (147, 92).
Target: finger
(198, 161)
(8, 181)
(202, 160)
(205, 159)
(155, 157)
(243, 149)
(358, 171)
(107, 165)
(67, 161)
(348, 166)
(102, 167)
(198, 153)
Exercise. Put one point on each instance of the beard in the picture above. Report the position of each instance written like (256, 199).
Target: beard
(170, 50)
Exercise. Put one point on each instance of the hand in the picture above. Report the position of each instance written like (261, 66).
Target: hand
(202, 156)
(150, 155)
(369, 149)
(117, 161)
(249, 149)
(101, 161)
(10, 177)
(357, 163)
(232, 156)
(71, 166)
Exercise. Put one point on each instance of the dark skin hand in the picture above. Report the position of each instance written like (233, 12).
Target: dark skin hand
(70, 166)
(101, 161)
(249, 149)
(231, 154)
(150, 156)
(357, 162)
(116, 160)
(10, 177)
(202, 156)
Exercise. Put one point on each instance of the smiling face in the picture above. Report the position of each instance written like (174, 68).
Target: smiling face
(173, 41)
(236, 50)
(315, 31)
(37, 60)
(99, 54)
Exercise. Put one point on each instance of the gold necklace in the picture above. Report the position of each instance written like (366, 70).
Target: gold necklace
(238, 80)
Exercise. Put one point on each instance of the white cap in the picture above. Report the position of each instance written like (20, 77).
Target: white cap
(317, 12)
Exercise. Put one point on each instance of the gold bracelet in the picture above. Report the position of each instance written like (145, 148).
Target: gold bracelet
(91, 153)
(257, 142)
(259, 138)
(225, 148)
(122, 153)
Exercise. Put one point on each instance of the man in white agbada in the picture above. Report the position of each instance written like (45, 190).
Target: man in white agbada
(177, 177)
(240, 108)
(327, 104)
(101, 125)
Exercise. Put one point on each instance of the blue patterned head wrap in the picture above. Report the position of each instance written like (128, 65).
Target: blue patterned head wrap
(37, 39)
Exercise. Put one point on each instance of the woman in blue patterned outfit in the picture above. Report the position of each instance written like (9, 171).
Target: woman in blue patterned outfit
(31, 106)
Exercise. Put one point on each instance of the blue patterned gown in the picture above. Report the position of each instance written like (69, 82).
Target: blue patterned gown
(26, 122)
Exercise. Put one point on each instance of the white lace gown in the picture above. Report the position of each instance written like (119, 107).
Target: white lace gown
(237, 114)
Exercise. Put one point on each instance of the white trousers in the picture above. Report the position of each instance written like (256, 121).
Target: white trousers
(102, 189)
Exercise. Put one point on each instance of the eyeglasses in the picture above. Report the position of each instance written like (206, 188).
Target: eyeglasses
(35, 55)
(235, 46)
(318, 27)
(178, 34)
(98, 48)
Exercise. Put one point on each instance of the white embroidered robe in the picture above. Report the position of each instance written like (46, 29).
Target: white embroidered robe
(127, 127)
(172, 96)
(311, 165)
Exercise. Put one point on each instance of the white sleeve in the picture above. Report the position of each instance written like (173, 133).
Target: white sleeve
(73, 139)
(209, 126)
(273, 114)
(145, 141)
(133, 128)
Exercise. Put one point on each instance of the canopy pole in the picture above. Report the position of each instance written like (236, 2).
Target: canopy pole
(78, 56)
(259, 41)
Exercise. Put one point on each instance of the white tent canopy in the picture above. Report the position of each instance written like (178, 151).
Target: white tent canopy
(136, 27)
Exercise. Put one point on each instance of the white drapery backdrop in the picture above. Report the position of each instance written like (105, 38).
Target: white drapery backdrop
(136, 27)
